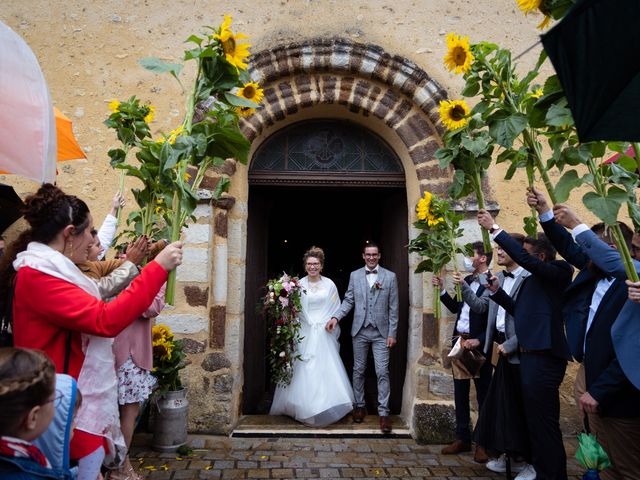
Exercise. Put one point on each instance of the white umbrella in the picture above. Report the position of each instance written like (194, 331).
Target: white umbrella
(27, 124)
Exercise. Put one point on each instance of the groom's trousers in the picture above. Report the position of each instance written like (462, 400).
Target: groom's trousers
(370, 335)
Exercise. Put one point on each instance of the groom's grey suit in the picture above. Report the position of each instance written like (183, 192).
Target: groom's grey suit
(375, 319)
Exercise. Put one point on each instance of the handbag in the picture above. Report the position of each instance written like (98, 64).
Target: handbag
(467, 364)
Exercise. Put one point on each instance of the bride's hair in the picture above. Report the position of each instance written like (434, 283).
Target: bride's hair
(315, 252)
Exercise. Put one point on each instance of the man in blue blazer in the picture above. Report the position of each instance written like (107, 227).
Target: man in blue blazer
(471, 326)
(543, 346)
(611, 354)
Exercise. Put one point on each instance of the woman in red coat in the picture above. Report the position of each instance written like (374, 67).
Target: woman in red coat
(54, 303)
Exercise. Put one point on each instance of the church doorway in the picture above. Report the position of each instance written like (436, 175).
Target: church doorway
(338, 210)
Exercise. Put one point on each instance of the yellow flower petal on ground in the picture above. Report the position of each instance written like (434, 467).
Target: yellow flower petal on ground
(114, 106)
(251, 91)
(453, 113)
(459, 57)
(234, 52)
(151, 115)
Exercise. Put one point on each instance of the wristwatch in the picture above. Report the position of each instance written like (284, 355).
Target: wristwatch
(494, 228)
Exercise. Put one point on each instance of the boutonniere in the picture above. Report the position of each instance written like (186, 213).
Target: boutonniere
(376, 286)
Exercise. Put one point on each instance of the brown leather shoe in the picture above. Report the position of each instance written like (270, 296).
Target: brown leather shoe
(480, 455)
(358, 414)
(457, 446)
(385, 424)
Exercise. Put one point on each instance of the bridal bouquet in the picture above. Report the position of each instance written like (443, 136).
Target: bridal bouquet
(440, 226)
(281, 306)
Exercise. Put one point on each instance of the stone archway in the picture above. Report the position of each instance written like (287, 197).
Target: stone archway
(397, 100)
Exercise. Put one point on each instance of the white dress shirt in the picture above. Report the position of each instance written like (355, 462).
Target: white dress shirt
(507, 286)
(463, 325)
(371, 277)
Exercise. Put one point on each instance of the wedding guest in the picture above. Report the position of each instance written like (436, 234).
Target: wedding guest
(373, 295)
(470, 326)
(501, 332)
(319, 393)
(543, 346)
(107, 230)
(69, 303)
(608, 397)
(27, 407)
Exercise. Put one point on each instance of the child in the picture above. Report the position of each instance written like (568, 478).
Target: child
(28, 399)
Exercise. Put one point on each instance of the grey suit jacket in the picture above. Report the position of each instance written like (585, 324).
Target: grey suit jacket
(625, 332)
(483, 303)
(385, 313)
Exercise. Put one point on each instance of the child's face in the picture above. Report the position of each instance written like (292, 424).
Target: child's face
(40, 416)
(95, 250)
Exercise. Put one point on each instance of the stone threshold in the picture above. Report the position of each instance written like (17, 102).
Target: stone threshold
(269, 426)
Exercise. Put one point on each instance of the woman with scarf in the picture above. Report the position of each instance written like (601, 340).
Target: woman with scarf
(54, 303)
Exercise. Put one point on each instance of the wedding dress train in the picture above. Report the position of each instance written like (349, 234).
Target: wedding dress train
(320, 392)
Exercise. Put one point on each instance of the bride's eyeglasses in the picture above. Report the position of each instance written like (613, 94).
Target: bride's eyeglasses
(313, 265)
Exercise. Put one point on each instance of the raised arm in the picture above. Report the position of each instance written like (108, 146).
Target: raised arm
(603, 255)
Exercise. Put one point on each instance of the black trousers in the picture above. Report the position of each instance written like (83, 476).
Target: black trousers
(461, 389)
(541, 376)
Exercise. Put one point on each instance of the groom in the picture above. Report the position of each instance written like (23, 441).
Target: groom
(373, 291)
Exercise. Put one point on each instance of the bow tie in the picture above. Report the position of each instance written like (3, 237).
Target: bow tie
(508, 274)
(371, 271)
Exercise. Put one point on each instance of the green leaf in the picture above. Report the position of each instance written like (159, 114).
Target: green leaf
(237, 101)
(605, 208)
(458, 184)
(531, 226)
(471, 89)
(477, 146)
(567, 182)
(559, 116)
(195, 39)
(424, 266)
(446, 156)
(156, 65)
(505, 129)
(221, 187)
(117, 155)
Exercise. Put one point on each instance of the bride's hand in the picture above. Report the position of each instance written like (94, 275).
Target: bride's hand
(331, 324)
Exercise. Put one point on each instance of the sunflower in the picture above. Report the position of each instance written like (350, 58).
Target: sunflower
(151, 114)
(251, 91)
(173, 135)
(453, 113)
(245, 111)
(160, 334)
(529, 6)
(537, 93)
(432, 221)
(422, 209)
(114, 106)
(234, 52)
(459, 57)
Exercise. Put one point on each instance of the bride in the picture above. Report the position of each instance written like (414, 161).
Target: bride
(319, 393)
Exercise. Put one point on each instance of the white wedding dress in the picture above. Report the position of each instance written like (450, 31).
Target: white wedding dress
(320, 392)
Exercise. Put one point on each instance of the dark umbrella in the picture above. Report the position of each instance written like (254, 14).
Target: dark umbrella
(10, 206)
(595, 50)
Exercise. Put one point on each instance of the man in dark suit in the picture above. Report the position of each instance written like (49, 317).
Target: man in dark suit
(543, 346)
(471, 326)
(609, 399)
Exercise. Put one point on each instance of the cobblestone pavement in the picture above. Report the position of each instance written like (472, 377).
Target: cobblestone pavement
(223, 457)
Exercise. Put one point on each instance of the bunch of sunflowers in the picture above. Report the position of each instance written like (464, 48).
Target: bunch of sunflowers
(437, 242)
(168, 359)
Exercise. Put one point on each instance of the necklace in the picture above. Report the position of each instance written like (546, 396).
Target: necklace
(314, 286)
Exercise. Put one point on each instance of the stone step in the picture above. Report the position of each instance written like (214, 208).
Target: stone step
(281, 426)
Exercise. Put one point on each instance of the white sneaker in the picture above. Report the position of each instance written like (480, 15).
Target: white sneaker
(499, 465)
(528, 473)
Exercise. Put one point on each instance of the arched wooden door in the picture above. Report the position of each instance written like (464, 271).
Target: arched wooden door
(336, 185)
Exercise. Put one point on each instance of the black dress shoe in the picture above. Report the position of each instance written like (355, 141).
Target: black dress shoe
(385, 424)
(358, 414)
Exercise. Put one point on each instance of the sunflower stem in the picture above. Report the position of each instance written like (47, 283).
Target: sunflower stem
(476, 181)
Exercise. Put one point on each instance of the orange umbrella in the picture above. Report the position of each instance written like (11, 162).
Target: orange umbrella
(68, 148)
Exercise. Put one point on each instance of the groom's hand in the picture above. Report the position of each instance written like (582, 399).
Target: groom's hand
(390, 342)
(331, 324)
